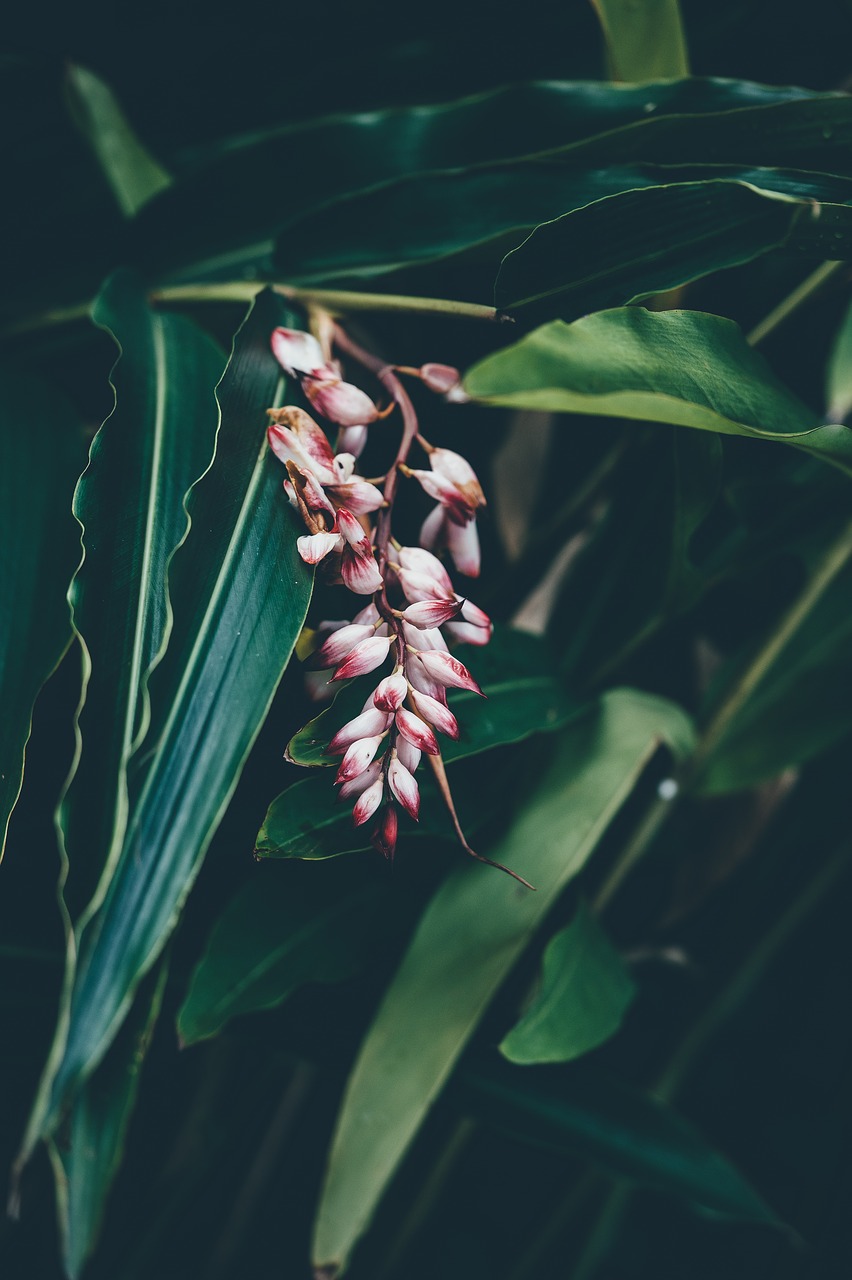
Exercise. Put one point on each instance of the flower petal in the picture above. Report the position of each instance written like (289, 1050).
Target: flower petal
(358, 757)
(385, 832)
(352, 440)
(427, 614)
(360, 574)
(391, 692)
(437, 714)
(358, 496)
(366, 725)
(463, 545)
(447, 670)
(368, 802)
(295, 351)
(340, 402)
(340, 644)
(355, 786)
(314, 547)
(408, 754)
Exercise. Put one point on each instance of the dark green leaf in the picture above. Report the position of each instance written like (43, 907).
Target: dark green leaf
(587, 1113)
(469, 938)
(41, 452)
(276, 935)
(585, 992)
(240, 594)
(132, 172)
(680, 367)
(89, 1156)
(629, 246)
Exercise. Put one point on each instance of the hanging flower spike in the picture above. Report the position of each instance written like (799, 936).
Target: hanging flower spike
(413, 606)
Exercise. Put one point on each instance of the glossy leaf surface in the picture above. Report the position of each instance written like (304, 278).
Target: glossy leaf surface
(585, 992)
(680, 367)
(471, 934)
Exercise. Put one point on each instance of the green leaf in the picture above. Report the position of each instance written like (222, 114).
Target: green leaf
(89, 1155)
(470, 936)
(644, 41)
(158, 440)
(41, 452)
(204, 228)
(277, 934)
(640, 242)
(585, 993)
(588, 1113)
(680, 367)
(838, 391)
(240, 595)
(488, 210)
(132, 172)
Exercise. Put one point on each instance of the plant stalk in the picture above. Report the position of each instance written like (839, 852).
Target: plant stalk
(802, 293)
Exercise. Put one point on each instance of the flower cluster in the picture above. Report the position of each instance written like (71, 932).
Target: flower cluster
(414, 608)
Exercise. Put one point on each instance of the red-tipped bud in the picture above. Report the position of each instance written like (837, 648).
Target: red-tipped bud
(444, 669)
(340, 402)
(360, 572)
(366, 725)
(296, 352)
(455, 469)
(476, 616)
(432, 613)
(418, 560)
(353, 532)
(368, 802)
(440, 378)
(385, 833)
(422, 586)
(358, 496)
(356, 786)
(463, 546)
(358, 757)
(417, 732)
(404, 787)
(425, 638)
(391, 692)
(437, 714)
(467, 633)
(340, 644)
(365, 657)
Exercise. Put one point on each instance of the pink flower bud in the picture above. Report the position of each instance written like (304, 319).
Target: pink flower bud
(437, 714)
(340, 644)
(353, 532)
(314, 547)
(365, 657)
(419, 560)
(467, 633)
(296, 352)
(444, 491)
(340, 402)
(424, 638)
(440, 378)
(408, 754)
(447, 670)
(352, 440)
(463, 546)
(360, 573)
(385, 833)
(293, 429)
(455, 469)
(368, 802)
(358, 756)
(391, 692)
(476, 616)
(417, 732)
(356, 786)
(404, 787)
(432, 613)
(366, 725)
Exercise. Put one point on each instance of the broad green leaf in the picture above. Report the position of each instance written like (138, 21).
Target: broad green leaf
(202, 228)
(470, 936)
(645, 41)
(275, 935)
(587, 1113)
(680, 367)
(800, 707)
(132, 172)
(838, 390)
(41, 453)
(629, 246)
(490, 209)
(585, 993)
(240, 595)
(130, 505)
(87, 1159)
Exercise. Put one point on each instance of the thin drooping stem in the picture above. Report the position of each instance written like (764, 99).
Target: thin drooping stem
(809, 287)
